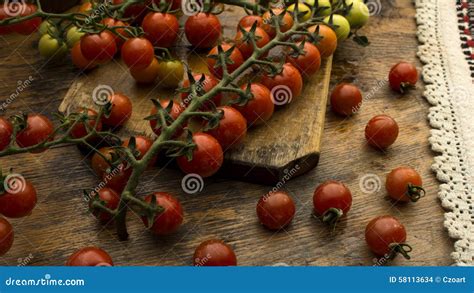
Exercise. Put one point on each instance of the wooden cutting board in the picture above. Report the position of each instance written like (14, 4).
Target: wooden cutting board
(287, 146)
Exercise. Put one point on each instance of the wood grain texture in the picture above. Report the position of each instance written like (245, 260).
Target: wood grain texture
(226, 208)
(264, 157)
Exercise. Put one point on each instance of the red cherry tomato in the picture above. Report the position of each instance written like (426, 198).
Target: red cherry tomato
(99, 48)
(135, 11)
(346, 99)
(214, 253)
(90, 257)
(148, 74)
(207, 156)
(176, 110)
(27, 27)
(385, 235)
(235, 57)
(121, 110)
(38, 129)
(206, 85)
(118, 177)
(111, 23)
(309, 63)
(404, 184)
(79, 130)
(111, 200)
(99, 165)
(328, 42)
(258, 109)
(137, 53)
(285, 24)
(232, 128)
(381, 131)
(5, 29)
(79, 60)
(332, 200)
(249, 20)
(203, 30)
(276, 210)
(246, 48)
(161, 28)
(6, 131)
(142, 144)
(19, 201)
(172, 216)
(402, 76)
(289, 78)
(6, 236)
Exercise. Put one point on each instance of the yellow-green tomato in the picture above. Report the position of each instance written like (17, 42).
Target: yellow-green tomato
(47, 27)
(341, 26)
(358, 15)
(170, 73)
(51, 48)
(73, 36)
(305, 11)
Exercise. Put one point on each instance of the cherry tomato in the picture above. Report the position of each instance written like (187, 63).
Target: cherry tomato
(5, 29)
(121, 110)
(111, 200)
(135, 11)
(203, 30)
(235, 57)
(18, 202)
(6, 131)
(79, 60)
(358, 15)
(249, 20)
(286, 21)
(208, 83)
(289, 77)
(332, 200)
(137, 53)
(170, 219)
(381, 131)
(346, 99)
(118, 24)
(327, 43)
(246, 48)
(207, 156)
(27, 27)
(161, 28)
(99, 164)
(51, 48)
(142, 145)
(170, 73)
(232, 128)
(276, 210)
(385, 235)
(99, 48)
(79, 130)
(38, 129)
(6, 236)
(308, 63)
(342, 28)
(73, 36)
(148, 74)
(404, 184)
(176, 110)
(402, 76)
(90, 257)
(86, 6)
(117, 178)
(214, 253)
(304, 8)
(258, 109)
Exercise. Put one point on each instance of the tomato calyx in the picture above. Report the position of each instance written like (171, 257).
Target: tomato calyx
(406, 86)
(332, 216)
(414, 192)
(399, 248)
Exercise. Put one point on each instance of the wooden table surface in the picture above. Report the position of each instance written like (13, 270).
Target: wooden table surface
(226, 209)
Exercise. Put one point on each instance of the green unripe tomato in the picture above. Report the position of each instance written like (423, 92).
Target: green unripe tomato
(302, 8)
(359, 14)
(170, 73)
(47, 27)
(73, 36)
(341, 26)
(49, 47)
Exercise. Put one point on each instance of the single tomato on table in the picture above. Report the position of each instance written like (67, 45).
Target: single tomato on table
(331, 201)
(91, 257)
(404, 184)
(214, 252)
(276, 210)
(381, 131)
(385, 235)
(403, 76)
(346, 99)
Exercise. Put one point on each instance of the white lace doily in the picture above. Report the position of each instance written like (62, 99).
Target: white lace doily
(450, 91)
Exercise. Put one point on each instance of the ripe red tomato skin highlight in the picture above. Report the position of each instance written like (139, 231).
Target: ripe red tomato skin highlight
(232, 128)
(332, 194)
(18, 204)
(276, 210)
(289, 76)
(402, 75)
(383, 231)
(381, 131)
(6, 131)
(203, 30)
(258, 109)
(398, 183)
(170, 219)
(6, 236)
(346, 99)
(89, 256)
(309, 63)
(246, 48)
(161, 28)
(99, 48)
(137, 53)
(121, 110)
(207, 156)
(214, 253)
(38, 129)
